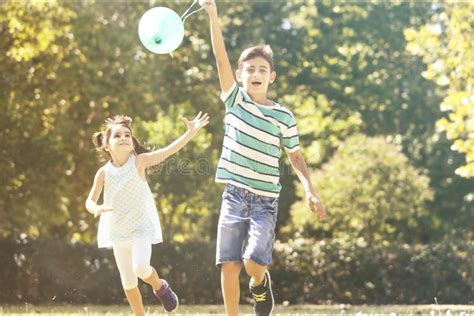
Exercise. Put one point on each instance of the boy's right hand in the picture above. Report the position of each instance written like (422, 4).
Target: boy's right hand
(209, 6)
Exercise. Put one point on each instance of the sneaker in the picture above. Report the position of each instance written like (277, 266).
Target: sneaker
(263, 296)
(167, 297)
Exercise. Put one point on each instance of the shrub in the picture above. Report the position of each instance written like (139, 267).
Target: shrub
(304, 271)
(370, 190)
(358, 272)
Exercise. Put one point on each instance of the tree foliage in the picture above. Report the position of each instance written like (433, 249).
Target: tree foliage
(37, 41)
(342, 69)
(366, 108)
(446, 45)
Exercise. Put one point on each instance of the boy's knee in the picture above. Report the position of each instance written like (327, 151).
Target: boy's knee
(254, 269)
(143, 271)
(231, 268)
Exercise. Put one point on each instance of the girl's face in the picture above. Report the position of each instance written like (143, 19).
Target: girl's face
(120, 141)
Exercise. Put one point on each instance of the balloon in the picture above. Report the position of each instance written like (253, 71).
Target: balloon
(161, 30)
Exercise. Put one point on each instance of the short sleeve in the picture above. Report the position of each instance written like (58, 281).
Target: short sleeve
(232, 96)
(290, 138)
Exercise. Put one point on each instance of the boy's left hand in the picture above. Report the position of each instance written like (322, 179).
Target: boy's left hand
(316, 205)
(199, 122)
(208, 5)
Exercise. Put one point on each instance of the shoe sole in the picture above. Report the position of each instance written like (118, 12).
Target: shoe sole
(177, 304)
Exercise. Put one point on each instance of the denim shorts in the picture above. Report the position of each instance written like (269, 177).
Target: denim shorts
(246, 228)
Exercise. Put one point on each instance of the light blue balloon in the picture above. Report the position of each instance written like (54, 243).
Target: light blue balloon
(161, 30)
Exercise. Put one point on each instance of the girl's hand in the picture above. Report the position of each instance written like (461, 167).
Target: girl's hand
(199, 122)
(208, 5)
(101, 209)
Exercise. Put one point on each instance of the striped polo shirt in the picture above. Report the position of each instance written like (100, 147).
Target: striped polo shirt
(254, 135)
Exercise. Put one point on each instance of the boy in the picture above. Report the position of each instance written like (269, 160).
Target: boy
(255, 129)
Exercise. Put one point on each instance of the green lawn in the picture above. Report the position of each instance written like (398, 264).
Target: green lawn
(359, 310)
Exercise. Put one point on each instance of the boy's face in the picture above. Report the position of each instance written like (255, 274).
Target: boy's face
(256, 75)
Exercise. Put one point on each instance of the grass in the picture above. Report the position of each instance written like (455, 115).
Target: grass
(358, 310)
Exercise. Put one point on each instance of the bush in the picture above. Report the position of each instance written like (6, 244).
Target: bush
(370, 190)
(40, 271)
(357, 272)
(304, 271)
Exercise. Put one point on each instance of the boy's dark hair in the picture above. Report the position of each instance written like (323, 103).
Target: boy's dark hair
(264, 51)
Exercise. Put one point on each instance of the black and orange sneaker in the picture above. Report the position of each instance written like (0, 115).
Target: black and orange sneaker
(167, 297)
(262, 296)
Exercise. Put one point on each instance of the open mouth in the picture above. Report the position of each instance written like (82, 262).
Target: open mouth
(256, 84)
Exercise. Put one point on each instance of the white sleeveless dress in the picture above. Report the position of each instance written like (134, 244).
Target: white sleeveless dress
(134, 214)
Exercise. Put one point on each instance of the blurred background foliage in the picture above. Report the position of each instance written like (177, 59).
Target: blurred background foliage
(383, 96)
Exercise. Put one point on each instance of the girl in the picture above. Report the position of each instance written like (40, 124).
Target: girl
(129, 220)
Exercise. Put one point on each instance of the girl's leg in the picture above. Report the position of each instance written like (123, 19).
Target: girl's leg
(141, 263)
(154, 280)
(123, 258)
(231, 287)
(143, 269)
(134, 298)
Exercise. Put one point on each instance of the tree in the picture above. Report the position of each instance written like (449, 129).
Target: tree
(446, 45)
(342, 69)
(36, 39)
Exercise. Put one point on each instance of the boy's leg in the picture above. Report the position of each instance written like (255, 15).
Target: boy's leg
(258, 252)
(255, 271)
(123, 258)
(231, 287)
(261, 237)
(231, 232)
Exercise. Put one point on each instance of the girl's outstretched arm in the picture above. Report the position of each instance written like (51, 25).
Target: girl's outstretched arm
(155, 157)
(91, 202)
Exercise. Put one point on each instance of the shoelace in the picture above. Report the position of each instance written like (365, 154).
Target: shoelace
(260, 297)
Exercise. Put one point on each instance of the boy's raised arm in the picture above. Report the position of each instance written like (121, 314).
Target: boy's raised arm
(226, 77)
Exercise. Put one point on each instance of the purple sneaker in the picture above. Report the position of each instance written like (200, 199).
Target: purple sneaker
(167, 297)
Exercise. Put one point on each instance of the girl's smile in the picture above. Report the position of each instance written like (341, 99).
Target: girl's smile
(120, 144)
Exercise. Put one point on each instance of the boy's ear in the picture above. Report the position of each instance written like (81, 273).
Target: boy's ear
(273, 76)
(238, 72)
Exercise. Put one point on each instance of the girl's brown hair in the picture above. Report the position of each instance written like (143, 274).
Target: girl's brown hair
(100, 139)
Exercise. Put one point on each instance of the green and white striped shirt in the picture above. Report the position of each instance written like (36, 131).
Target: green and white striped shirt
(254, 134)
